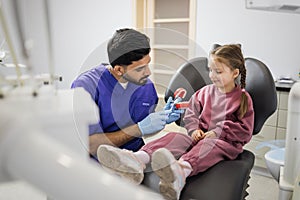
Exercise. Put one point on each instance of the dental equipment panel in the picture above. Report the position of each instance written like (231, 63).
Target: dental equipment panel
(289, 173)
(44, 142)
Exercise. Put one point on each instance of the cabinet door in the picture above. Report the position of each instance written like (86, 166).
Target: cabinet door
(282, 114)
(170, 24)
(283, 100)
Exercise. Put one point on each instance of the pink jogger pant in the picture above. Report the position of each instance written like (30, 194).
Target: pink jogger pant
(201, 155)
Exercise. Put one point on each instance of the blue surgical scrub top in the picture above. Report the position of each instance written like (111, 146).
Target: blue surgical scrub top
(118, 107)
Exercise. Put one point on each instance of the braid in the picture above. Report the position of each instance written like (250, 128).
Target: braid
(244, 100)
(243, 76)
(232, 56)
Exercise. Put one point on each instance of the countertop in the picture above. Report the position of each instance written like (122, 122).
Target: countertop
(283, 86)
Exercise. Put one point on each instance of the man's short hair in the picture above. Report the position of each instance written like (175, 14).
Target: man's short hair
(127, 45)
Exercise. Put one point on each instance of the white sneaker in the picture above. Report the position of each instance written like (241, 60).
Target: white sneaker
(172, 177)
(121, 162)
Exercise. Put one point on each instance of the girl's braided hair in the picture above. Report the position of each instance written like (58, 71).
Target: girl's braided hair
(232, 56)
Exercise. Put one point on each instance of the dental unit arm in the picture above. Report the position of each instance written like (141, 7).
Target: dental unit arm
(44, 131)
(43, 141)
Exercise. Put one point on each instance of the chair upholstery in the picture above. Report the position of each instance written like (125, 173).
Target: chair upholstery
(191, 76)
(260, 85)
(227, 180)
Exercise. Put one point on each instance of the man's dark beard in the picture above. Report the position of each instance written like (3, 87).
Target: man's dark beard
(142, 81)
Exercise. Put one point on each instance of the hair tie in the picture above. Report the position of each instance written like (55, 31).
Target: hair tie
(243, 90)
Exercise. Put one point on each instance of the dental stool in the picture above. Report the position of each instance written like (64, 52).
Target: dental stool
(227, 180)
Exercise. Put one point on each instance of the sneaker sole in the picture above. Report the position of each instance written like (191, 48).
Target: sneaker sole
(167, 191)
(161, 164)
(111, 161)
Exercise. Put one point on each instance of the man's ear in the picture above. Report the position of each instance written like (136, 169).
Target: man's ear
(119, 70)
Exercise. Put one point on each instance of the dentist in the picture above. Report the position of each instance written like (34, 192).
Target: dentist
(125, 96)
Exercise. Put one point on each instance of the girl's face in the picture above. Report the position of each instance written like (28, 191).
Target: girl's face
(222, 75)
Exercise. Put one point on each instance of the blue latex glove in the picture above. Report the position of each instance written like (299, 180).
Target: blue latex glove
(169, 103)
(173, 117)
(154, 122)
(175, 113)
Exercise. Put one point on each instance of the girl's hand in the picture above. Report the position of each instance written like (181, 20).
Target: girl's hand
(210, 134)
(198, 135)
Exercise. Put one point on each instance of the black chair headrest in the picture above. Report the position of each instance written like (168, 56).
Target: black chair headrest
(261, 86)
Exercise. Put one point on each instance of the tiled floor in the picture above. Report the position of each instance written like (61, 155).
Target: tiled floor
(262, 186)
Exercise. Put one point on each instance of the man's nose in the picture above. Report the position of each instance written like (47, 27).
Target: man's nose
(147, 71)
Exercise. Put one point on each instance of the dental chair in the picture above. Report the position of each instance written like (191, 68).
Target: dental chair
(227, 180)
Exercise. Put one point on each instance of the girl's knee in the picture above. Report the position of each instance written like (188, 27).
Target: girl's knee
(179, 138)
(176, 135)
(171, 134)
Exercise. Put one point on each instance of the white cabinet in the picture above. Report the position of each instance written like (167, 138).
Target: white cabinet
(273, 129)
(170, 24)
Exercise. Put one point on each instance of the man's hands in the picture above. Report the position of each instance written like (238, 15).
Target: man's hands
(154, 122)
(175, 113)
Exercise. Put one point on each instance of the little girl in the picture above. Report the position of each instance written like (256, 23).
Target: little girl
(219, 122)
